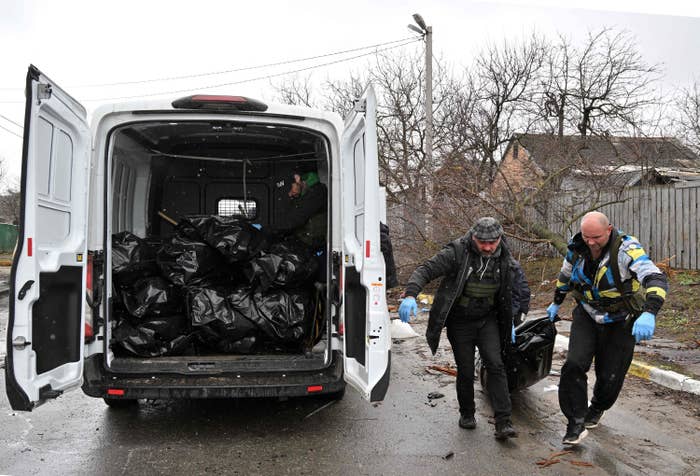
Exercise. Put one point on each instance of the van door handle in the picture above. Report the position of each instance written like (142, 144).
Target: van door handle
(23, 292)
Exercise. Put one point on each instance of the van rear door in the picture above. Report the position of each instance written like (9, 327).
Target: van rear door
(367, 341)
(47, 287)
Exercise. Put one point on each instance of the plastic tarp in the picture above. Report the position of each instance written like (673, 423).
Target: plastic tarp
(200, 271)
(286, 263)
(151, 297)
(153, 337)
(235, 239)
(279, 314)
(209, 306)
(185, 261)
(529, 360)
(132, 258)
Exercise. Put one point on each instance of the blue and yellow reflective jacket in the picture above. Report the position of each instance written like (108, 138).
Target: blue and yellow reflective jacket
(595, 289)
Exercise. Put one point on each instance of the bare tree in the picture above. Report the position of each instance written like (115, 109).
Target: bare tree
(688, 122)
(339, 96)
(514, 87)
(553, 99)
(503, 83)
(295, 91)
(10, 206)
(9, 198)
(613, 82)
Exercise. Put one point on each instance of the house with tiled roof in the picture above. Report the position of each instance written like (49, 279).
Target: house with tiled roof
(574, 163)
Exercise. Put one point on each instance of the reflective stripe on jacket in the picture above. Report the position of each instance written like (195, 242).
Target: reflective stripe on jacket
(597, 293)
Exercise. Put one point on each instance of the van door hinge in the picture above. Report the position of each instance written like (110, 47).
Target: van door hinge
(20, 342)
(360, 105)
(43, 91)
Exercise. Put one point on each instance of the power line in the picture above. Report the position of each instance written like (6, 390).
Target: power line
(199, 88)
(13, 122)
(248, 68)
(11, 132)
(237, 70)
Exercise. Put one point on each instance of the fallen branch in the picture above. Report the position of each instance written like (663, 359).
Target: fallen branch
(552, 459)
(320, 408)
(445, 370)
(560, 453)
(581, 463)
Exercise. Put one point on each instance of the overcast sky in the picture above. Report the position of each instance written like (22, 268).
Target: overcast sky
(79, 43)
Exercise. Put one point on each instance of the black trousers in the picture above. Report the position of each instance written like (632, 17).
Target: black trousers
(612, 346)
(464, 335)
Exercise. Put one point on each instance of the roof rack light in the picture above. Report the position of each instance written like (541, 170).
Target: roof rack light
(219, 103)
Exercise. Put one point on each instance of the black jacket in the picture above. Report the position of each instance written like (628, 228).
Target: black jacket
(521, 290)
(313, 201)
(451, 263)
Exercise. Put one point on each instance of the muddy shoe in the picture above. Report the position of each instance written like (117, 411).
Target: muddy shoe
(592, 417)
(575, 432)
(467, 421)
(505, 430)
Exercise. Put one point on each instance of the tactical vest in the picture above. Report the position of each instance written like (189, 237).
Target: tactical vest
(479, 293)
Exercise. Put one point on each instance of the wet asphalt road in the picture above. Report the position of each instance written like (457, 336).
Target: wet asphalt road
(76, 434)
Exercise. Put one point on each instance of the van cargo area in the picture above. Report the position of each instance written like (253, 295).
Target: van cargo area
(208, 246)
(214, 265)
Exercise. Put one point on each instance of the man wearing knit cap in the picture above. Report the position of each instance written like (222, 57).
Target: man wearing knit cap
(474, 303)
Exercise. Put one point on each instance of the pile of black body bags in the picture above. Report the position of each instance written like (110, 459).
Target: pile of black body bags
(217, 285)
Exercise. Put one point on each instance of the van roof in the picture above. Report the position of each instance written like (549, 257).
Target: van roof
(166, 104)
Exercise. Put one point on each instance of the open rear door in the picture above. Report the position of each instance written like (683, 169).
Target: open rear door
(47, 288)
(367, 341)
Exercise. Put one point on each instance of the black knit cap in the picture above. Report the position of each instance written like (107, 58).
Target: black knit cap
(487, 229)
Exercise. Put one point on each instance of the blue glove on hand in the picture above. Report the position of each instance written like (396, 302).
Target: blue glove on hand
(408, 306)
(552, 311)
(512, 334)
(643, 327)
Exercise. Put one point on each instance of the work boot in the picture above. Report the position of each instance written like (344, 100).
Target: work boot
(467, 422)
(575, 432)
(593, 416)
(504, 430)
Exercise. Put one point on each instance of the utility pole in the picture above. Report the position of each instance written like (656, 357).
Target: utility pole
(427, 32)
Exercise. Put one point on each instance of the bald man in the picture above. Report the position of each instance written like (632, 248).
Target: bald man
(607, 321)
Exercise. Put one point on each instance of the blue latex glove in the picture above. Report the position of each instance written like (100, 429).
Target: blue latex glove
(643, 327)
(408, 306)
(552, 311)
(512, 334)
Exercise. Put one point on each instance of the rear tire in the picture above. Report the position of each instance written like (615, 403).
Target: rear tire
(119, 403)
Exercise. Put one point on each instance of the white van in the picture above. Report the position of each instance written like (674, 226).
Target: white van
(198, 155)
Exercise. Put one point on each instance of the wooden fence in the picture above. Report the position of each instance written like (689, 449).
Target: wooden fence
(665, 219)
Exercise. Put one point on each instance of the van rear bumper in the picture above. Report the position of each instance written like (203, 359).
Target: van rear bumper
(97, 381)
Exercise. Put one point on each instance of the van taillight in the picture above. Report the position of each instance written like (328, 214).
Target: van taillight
(88, 275)
(89, 332)
(314, 388)
(219, 102)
